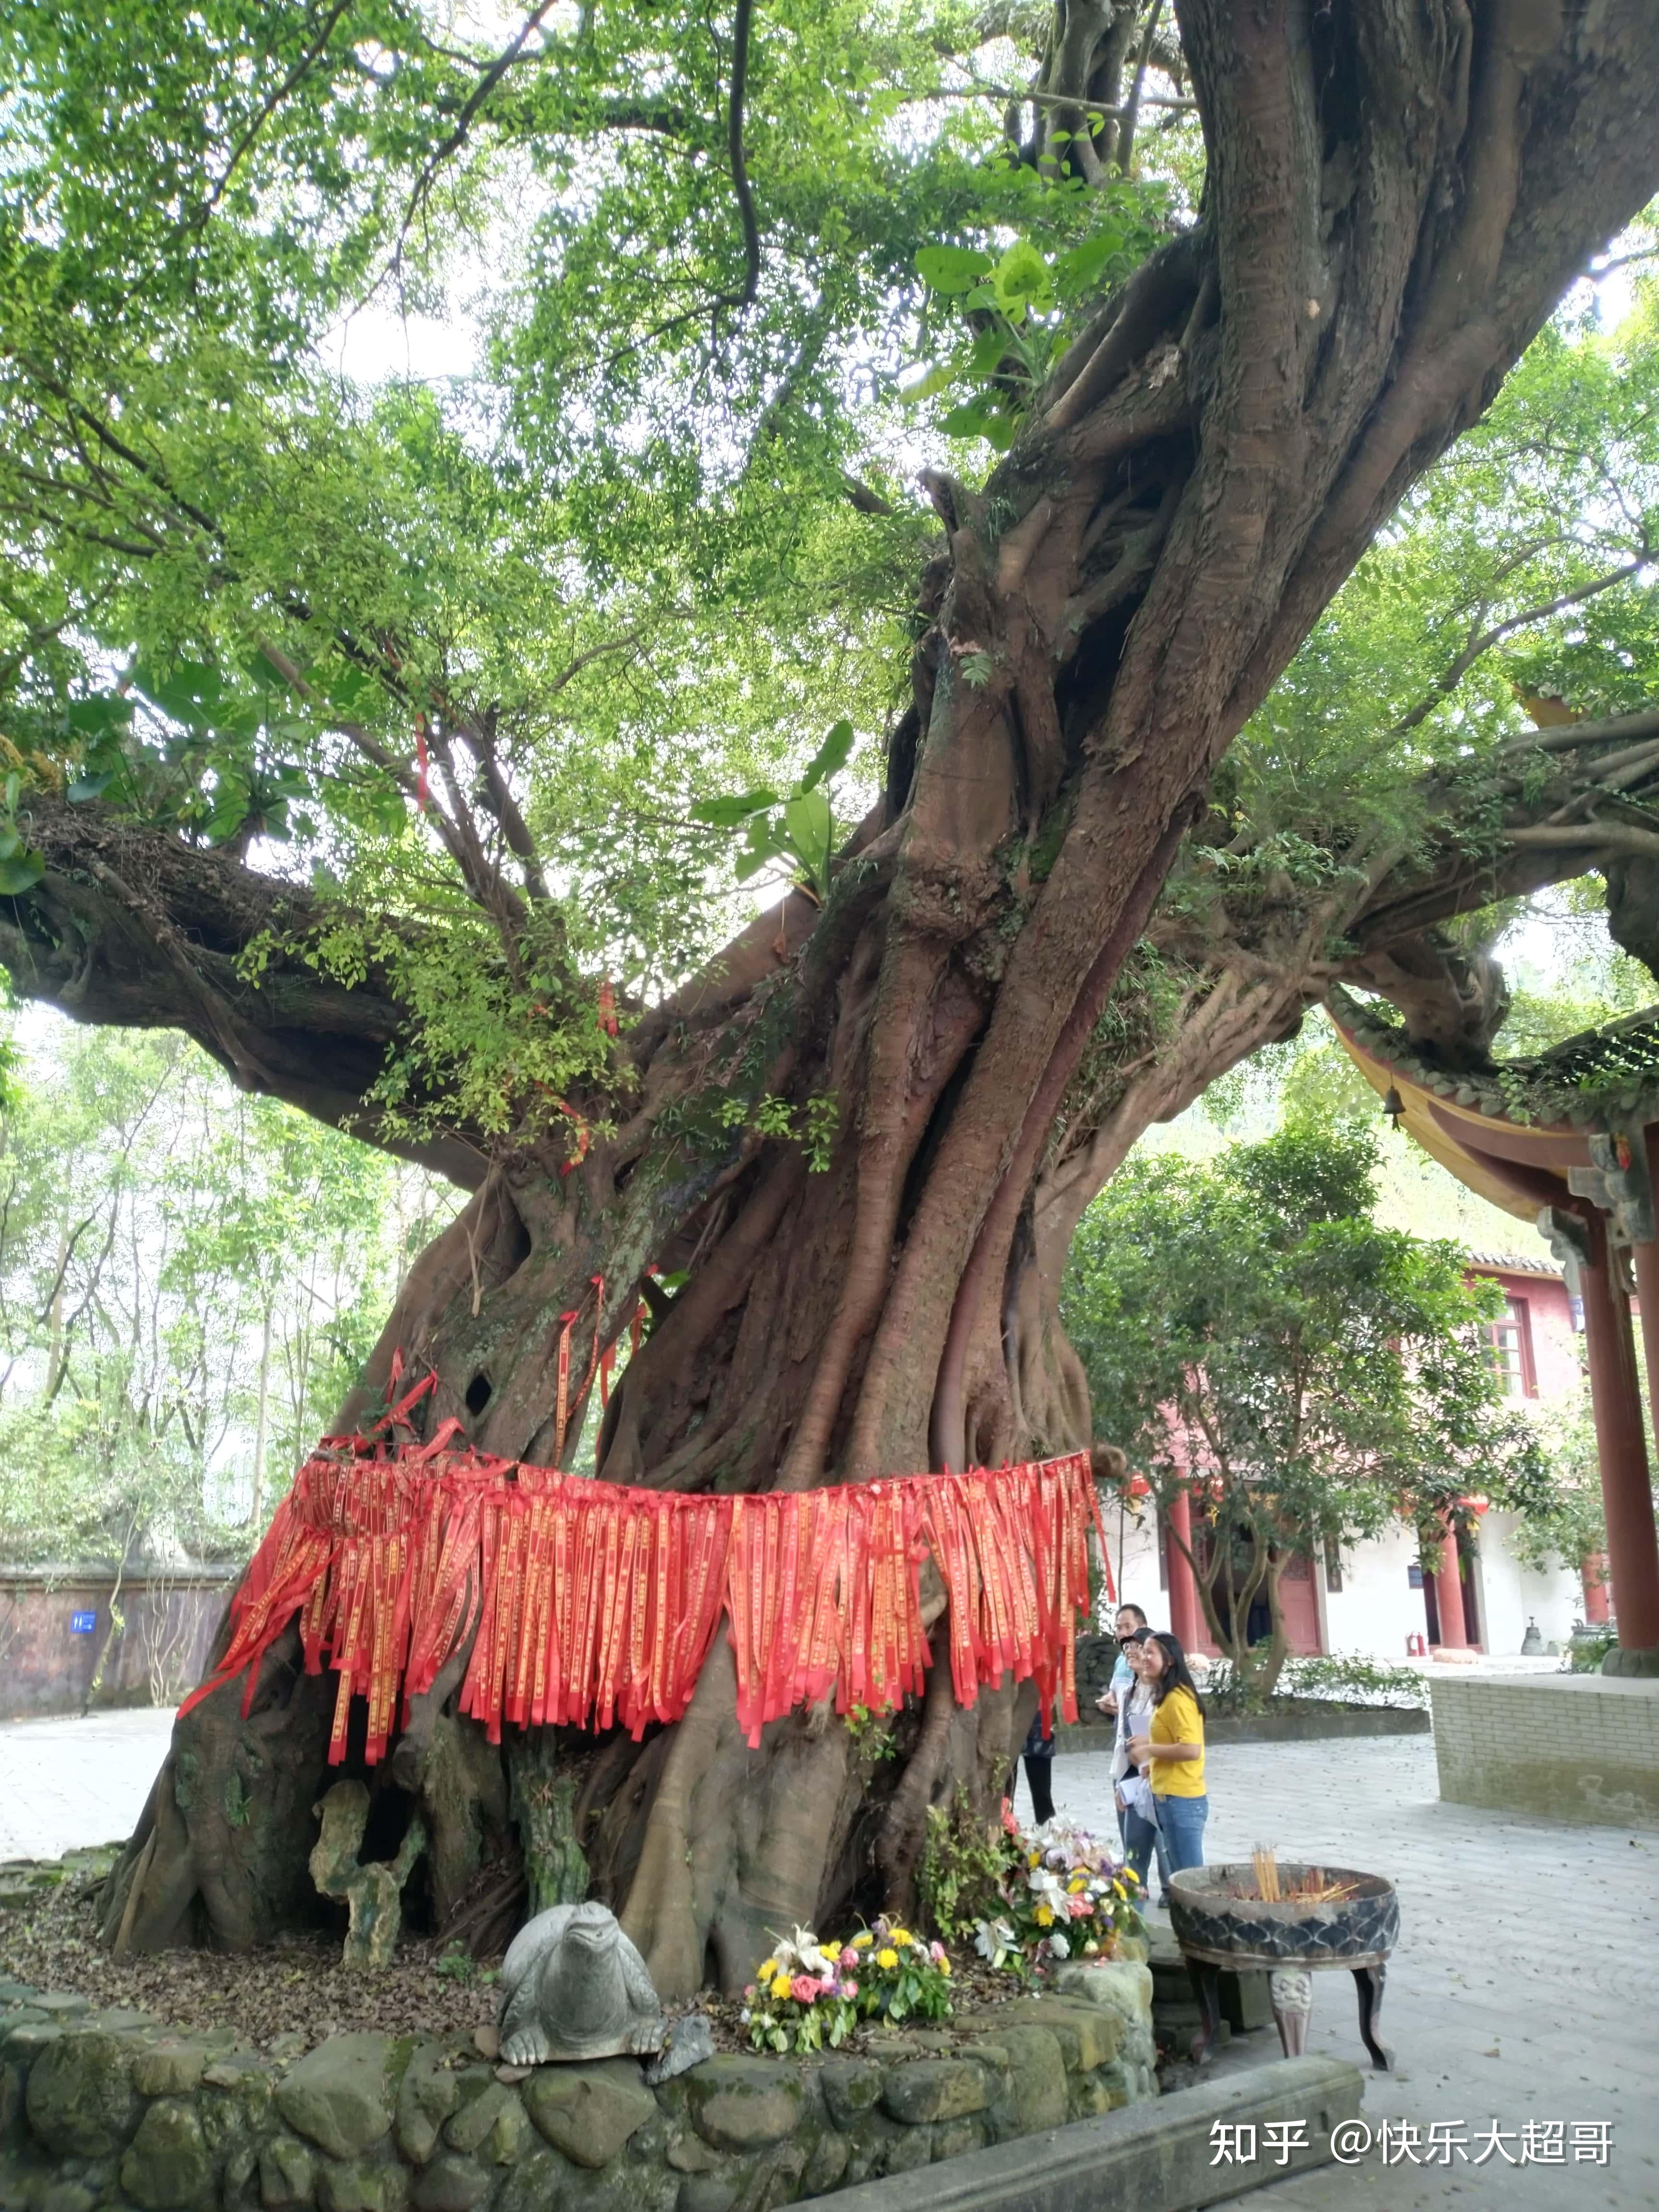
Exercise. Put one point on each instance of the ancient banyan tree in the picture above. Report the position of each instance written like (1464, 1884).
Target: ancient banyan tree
(831, 1175)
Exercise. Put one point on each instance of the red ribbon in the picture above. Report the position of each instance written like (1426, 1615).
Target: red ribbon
(590, 1605)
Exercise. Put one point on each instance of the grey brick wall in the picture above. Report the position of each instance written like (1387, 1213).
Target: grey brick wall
(1580, 1748)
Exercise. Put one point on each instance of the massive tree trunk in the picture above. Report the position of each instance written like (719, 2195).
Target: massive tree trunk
(1397, 195)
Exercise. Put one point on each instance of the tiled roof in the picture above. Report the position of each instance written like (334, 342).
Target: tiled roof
(1512, 1263)
(1601, 1078)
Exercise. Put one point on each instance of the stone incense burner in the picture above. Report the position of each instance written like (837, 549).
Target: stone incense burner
(1219, 1920)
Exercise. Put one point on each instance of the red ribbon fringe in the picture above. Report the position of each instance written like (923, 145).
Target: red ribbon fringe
(587, 1604)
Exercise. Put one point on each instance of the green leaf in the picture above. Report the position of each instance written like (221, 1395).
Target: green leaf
(728, 814)
(90, 786)
(830, 756)
(1080, 269)
(188, 693)
(980, 420)
(952, 268)
(1023, 276)
(20, 872)
(763, 844)
(939, 379)
(806, 821)
(99, 715)
(988, 350)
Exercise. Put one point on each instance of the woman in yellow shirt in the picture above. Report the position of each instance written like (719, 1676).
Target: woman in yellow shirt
(1174, 1747)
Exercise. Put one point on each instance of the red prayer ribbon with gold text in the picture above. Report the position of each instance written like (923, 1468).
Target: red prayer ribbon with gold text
(587, 1605)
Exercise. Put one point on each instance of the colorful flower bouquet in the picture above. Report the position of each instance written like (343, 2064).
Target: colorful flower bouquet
(1065, 1895)
(808, 1995)
(804, 1996)
(900, 1976)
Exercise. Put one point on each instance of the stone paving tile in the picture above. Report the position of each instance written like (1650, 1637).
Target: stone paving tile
(1526, 1986)
(67, 1782)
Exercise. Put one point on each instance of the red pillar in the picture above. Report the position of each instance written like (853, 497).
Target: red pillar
(1621, 1447)
(1594, 1576)
(1448, 1596)
(1185, 1614)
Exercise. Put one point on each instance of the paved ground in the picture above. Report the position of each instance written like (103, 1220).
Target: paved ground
(68, 1782)
(1525, 1989)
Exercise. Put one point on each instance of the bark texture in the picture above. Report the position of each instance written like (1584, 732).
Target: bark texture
(1397, 195)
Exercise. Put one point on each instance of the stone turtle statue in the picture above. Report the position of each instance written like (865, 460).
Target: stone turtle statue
(574, 1987)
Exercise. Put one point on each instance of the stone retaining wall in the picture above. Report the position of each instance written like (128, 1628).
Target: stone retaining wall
(113, 2110)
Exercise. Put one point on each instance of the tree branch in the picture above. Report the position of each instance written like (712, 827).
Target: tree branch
(422, 191)
(734, 109)
(131, 927)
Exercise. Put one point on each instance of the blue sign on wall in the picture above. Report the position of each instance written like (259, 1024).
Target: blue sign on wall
(82, 1624)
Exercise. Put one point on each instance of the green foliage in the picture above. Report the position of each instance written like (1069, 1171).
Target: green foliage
(1587, 1651)
(245, 557)
(960, 1874)
(1246, 1322)
(995, 324)
(189, 1280)
(1348, 1679)
(872, 1735)
(457, 1964)
(1566, 973)
(798, 828)
(1516, 570)
(1562, 1523)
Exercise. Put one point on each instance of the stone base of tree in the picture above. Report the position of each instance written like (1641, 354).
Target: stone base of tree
(114, 2108)
(1172, 2156)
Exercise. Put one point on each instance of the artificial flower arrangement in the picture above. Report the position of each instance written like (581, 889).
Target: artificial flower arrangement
(807, 1994)
(1065, 1895)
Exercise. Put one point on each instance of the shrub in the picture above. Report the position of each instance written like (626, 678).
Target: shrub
(963, 1861)
(1353, 1680)
(1589, 1647)
(1342, 1678)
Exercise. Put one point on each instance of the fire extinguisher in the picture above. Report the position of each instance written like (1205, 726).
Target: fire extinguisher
(1415, 1647)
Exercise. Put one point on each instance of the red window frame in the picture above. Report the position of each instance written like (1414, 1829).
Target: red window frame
(1518, 1316)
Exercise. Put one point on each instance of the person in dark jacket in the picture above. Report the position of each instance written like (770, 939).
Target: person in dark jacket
(1039, 1756)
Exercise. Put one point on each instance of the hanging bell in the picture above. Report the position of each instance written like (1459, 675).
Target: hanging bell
(1394, 1106)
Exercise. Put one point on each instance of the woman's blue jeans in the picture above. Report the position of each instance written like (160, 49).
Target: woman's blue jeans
(1140, 1840)
(1181, 1821)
